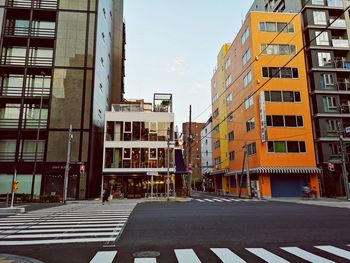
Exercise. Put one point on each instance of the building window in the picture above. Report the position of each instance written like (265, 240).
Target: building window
(229, 99)
(324, 59)
(330, 104)
(278, 50)
(327, 81)
(232, 155)
(217, 128)
(286, 147)
(322, 38)
(250, 124)
(247, 79)
(217, 160)
(216, 113)
(332, 127)
(320, 18)
(247, 55)
(284, 121)
(282, 96)
(228, 81)
(275, 72)
(217, 144)
(245, 36)
(251, 148)
(276, 27)
(228, 63)
(249, 102)
(231, 136)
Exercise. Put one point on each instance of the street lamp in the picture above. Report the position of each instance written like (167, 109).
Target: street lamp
(37, 137)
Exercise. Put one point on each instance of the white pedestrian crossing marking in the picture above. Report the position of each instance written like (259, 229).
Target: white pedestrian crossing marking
(226, 200)
(227, 256)
(306, 255)
(266, 255)
(104, 257)
(209, 200)
(221, 200)
(200, 200)
(215, 199)
(145, 260)
(186, 256)
(335, 251)
(72, 223)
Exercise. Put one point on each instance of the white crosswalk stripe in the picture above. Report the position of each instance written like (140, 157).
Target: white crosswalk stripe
(73, 223)
(227, 199)
(228, 256)
(306, 255)
(186, 256)
(267, 255)
(335, 251)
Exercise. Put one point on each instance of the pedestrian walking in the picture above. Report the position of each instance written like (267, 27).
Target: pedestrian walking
(106, 195)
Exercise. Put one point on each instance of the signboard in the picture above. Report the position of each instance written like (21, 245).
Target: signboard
(262, 110)
(347, 129)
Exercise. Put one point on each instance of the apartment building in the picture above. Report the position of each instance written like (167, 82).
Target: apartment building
(207, 156)
(56, 64)
(136, 148)
(261, 111)
(193, 141)
(326, 27)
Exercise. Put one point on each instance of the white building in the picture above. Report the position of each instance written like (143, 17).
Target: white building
(207, 155)
(136, 146)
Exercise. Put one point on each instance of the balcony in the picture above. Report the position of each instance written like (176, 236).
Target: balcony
(26, 124)
(343, 86)
(21, 61)
(24, 32)
(40, 4)
(339, 23)
(341, 43)
(341, 64)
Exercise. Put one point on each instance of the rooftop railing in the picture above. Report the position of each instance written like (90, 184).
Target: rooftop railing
(43, 4)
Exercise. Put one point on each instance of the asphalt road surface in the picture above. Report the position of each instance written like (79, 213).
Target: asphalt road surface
(212, 229)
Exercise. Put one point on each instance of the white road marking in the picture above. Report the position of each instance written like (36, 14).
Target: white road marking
(77, 225)
(104, 257)
(186, 256)
(61, 235)
(209, 200)
(267, 255)
(62, 222)
(306, 255)
(218, 200)
(200, 200)
(19, 231)
(145, 260)
(55, 241)
(226, 200)
(335, 251)
(227, 256)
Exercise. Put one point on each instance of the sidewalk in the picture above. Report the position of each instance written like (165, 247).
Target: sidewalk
(330, 202)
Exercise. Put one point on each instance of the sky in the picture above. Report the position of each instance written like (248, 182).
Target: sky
(171, 47)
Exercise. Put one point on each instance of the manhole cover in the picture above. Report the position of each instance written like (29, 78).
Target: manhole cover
(146, 254)
(17, 259)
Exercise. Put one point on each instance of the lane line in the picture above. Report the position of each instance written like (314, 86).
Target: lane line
(306, 255)
(227, 256)
(145, 260)
(335, 251)
(267, 255)
(104, 257)
(113, 233)
(55, 241)
(186, 256)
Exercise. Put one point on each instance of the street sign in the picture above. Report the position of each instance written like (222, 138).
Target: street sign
(331, 167)
(347, 129)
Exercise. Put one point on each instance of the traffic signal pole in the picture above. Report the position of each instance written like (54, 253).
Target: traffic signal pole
(344, 159)
(66, 170)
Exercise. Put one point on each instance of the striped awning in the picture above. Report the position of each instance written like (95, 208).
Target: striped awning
(217, 172)
(279, 170)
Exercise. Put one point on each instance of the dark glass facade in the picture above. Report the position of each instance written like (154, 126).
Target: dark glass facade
(55, 70)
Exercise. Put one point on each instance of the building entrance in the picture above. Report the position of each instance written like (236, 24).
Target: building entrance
(134, 188)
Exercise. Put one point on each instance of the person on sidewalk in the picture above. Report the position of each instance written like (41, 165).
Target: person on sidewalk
(106, 195)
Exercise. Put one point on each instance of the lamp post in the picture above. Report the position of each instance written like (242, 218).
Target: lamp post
(37, 137)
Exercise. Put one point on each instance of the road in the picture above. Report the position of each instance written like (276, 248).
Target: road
(193, 231)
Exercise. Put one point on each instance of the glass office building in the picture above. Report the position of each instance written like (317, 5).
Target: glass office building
(56, 63)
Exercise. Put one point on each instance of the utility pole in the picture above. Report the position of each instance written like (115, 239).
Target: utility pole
(247, 167)
(168, 165)
(37, 137)
(344, 159)
(13, 191)
(66, 170)
(244, 161)
(190, 150)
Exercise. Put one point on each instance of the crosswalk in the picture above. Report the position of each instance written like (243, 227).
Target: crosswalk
(225, 200)
(72, 223)
(225, 255)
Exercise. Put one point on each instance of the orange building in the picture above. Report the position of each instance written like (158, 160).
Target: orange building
(265, 88)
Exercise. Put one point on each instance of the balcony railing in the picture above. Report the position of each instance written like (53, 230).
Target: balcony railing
(26, 124)
(32, 61)
(30, 156)
(342, 64)
(9, 123)
(44, 4)
(7, 156)
(345, 109)
(339, 23)
(340, 43)
(24, 31)
(29, 92)
(343, 86)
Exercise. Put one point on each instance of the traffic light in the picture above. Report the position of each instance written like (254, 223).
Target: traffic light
(15, 186)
